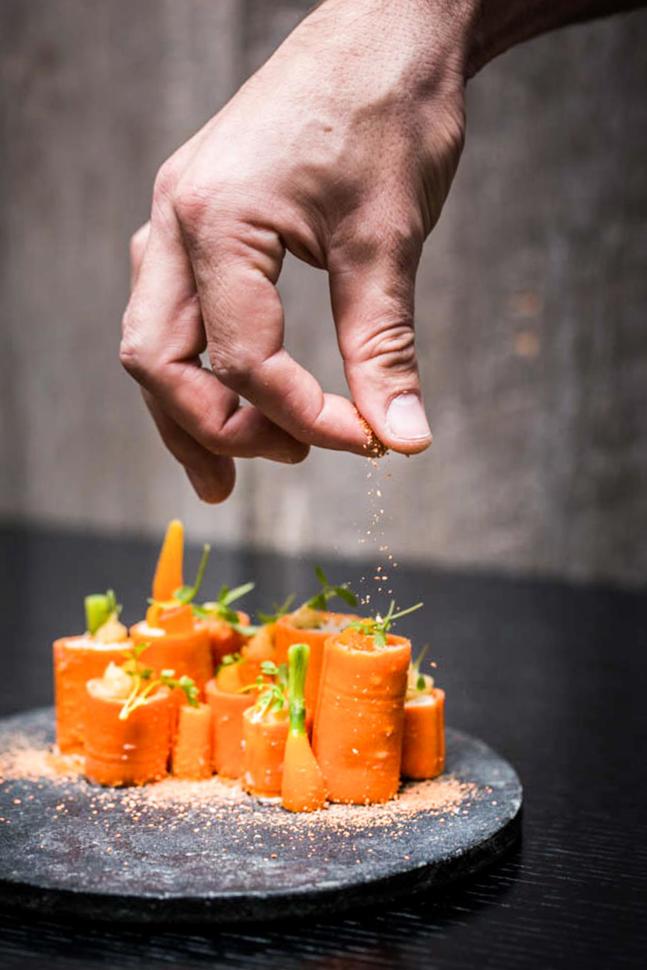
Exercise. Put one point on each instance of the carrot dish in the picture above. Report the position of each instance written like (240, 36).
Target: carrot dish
(312, 705)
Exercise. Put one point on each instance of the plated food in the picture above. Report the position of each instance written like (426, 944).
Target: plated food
(308, 706)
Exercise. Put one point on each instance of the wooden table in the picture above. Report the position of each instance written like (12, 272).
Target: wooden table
(551, 675)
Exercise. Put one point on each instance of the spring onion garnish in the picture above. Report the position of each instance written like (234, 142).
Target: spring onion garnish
(421, 682)
(378, 626)
(298, 658)
(99, 608)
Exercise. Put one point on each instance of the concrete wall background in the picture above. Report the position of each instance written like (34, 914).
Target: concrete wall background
(532, 297)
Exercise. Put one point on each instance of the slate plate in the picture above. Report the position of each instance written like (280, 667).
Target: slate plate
(212, 854)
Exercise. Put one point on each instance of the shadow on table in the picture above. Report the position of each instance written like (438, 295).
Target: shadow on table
(417, 931)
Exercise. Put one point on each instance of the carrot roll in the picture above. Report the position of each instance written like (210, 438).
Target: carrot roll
(133, 751)
(175, 642)
(78, 659)
(311, 626)
(264, 748)
(359, 720)
(192, 745)
(227, 705)
(423, 741)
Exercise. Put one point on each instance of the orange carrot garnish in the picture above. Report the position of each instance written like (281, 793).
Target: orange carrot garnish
(130, 751)
(78, 659)
(265, 729)
(168, 574)
(302, 786)
(423, 741)
(192, 745)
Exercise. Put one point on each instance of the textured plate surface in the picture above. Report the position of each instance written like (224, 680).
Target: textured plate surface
(204, 851)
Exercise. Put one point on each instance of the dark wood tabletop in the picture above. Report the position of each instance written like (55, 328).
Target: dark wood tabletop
(551, 675)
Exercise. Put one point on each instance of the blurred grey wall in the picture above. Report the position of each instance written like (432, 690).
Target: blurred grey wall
(532, 298)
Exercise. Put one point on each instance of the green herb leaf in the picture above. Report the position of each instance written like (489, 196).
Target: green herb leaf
(186, 594)
(327, 592)
(279, 610)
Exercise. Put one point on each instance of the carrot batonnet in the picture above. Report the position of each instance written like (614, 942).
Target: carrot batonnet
(76, 661)
(192, 744)
(360, 713)
(127, 752)
(169, 575)
(227, 708)
(423, 742)
(288, 633)
(302, 785)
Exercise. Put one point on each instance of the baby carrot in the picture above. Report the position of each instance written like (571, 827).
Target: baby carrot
(358, 725)
(192, 745)
(302, 785)
(168, 574)
(423, 741)
(133, 751)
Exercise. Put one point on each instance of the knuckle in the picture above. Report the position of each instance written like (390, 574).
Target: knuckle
(131, 352)
(193, 204)
(165, 182)
(138, 244)
(234, 369)
(393, 347)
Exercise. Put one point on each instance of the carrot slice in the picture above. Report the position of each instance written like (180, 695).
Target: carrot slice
(76, 661)
(127, 752)
(360, 712)
(192, 746)
(168, 573)
(423, 741)
(287, 634)
(227, 708)
(302, 785)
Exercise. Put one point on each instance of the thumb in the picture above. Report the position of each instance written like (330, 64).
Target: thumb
(373, 309)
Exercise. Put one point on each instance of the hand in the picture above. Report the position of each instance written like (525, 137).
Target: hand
(341, 149)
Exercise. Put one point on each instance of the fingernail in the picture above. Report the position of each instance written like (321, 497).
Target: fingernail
(406, 418)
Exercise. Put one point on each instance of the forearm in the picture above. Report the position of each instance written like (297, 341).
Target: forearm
(502, 24)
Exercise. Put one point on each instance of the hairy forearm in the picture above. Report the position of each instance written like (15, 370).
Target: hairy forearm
(500, 24)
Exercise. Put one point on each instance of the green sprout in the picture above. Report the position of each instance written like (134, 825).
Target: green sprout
(378, 626)
(221, 609)
(328, 591)
(280, 609)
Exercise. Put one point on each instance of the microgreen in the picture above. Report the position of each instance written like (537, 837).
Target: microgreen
(144, 684)
(186, 594)
(421, 683)
(378, 626)
(280, 609)
(99, 608)
(271, 696)
(220, 608)
(328, 591)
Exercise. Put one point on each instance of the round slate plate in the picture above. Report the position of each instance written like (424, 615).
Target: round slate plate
(216, 855)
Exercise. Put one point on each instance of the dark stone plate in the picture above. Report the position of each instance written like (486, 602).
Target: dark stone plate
(70, 848)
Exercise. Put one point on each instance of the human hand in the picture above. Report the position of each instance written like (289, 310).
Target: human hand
(341, 149)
